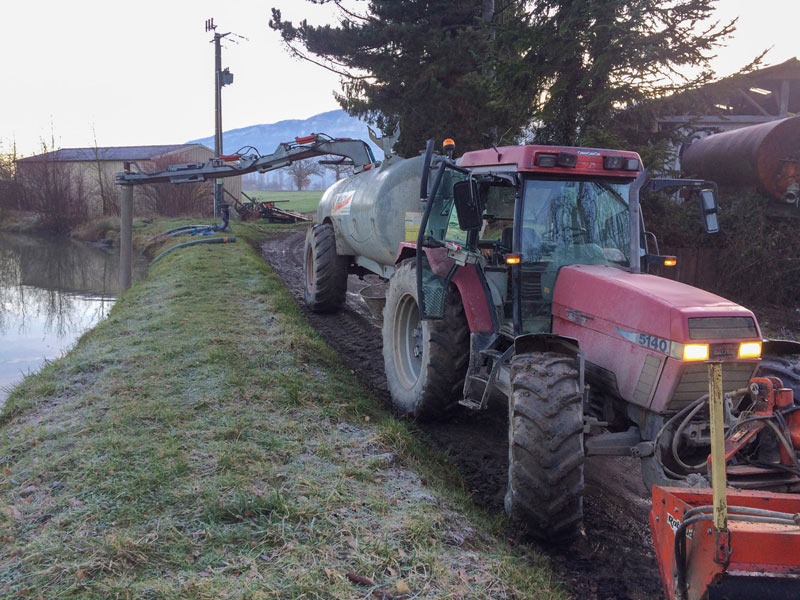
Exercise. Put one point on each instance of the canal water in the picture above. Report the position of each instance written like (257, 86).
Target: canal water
(52, 290)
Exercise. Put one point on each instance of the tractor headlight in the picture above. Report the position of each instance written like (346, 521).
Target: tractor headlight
(695, 352)
(750, 350)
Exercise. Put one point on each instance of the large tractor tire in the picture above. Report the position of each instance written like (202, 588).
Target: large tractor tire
(326, 271)
(786, 368)
(545, 455)
(425, 361)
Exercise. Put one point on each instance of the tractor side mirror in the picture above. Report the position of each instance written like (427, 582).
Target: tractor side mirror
(709, 209)
(465, 197)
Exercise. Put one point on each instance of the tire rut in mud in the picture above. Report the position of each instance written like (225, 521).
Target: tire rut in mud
(613, 561)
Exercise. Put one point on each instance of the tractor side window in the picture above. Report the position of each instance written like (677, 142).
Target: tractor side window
(443, 220)
(498, 213)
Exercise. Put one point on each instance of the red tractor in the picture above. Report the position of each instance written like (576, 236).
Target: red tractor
(522, 272)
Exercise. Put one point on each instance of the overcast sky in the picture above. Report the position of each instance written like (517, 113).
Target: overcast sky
(142, 72)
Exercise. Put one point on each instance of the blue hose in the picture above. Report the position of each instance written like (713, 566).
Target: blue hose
(218, 240)
(201, 229)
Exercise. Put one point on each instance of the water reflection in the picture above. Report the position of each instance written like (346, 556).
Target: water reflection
(51, 291)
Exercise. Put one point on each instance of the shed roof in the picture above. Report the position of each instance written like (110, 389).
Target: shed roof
(742, 99)
(111, 153)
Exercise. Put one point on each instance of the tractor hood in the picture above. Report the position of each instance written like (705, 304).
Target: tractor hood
(617, 302)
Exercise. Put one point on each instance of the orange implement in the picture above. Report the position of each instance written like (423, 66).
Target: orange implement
(757, 557)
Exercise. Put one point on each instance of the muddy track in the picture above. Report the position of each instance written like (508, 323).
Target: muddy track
(614, 560)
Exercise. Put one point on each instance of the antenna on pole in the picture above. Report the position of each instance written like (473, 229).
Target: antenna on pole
(210, 25)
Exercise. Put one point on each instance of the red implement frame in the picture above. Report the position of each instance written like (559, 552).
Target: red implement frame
(725, 566)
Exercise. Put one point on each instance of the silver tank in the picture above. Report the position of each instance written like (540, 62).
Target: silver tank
(372, 211)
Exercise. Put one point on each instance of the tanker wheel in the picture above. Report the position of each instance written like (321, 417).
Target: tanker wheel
(786, 368)
(425, 361)
(326, 271)
(545, 446)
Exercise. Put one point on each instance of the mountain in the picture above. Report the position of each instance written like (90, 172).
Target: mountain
(267, 137)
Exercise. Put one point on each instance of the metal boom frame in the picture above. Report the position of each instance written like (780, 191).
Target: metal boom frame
(317, 144)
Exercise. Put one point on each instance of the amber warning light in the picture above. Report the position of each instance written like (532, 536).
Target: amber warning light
(695, 352)
(750, 350)
(670, 261)
(512, 259)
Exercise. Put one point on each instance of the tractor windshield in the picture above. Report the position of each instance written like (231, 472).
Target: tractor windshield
(575, 222)
(566, 222)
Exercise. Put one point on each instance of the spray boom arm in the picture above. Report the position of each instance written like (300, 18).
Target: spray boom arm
(353, 152)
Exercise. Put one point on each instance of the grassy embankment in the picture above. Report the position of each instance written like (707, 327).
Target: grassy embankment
(204, 442)
(303, 201)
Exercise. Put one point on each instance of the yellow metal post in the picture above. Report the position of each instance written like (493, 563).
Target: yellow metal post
(719, 481)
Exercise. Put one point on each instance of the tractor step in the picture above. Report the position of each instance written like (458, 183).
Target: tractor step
(470, 404)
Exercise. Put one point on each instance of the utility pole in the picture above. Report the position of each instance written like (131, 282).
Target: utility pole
(221, 78)
(125, 233)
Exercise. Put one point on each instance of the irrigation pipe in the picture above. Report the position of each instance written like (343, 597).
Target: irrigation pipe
(158, 235)
(217, 240)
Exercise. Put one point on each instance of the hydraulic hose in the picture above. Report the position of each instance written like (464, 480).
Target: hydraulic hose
(217, 240)
(738, 513)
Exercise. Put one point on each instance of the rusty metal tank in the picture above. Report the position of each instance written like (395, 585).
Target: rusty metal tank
(766, 156)
(373, 211)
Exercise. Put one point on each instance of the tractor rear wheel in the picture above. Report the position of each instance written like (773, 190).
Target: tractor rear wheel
(425, 361)
(545, 455)
(326, 271)
(786, 368)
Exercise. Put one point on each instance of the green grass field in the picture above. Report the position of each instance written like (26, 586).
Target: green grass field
(305, 201)
(204, 443)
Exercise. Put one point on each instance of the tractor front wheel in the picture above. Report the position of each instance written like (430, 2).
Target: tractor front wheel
(325, 271)
(545, 455)
(425, 361)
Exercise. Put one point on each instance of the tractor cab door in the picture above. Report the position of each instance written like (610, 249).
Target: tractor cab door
(442, 229)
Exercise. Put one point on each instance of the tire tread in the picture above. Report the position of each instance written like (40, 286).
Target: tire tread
(545, 480)
(329, 287)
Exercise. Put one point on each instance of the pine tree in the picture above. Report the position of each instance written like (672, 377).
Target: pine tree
(603, 56)
(482, 71)
(431, 65)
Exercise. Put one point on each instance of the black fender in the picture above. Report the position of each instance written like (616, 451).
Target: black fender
(779, 347)
(551, 342)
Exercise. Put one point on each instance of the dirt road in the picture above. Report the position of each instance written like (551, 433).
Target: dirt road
(614, 560)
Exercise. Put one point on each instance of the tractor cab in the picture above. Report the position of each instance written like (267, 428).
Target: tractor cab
(550, 244)
(520, 214)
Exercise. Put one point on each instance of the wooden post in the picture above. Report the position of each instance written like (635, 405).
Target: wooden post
(719, 482)
(125, 236)
(783, 110)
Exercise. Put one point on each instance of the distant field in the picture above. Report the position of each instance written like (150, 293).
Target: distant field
(297, 201)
